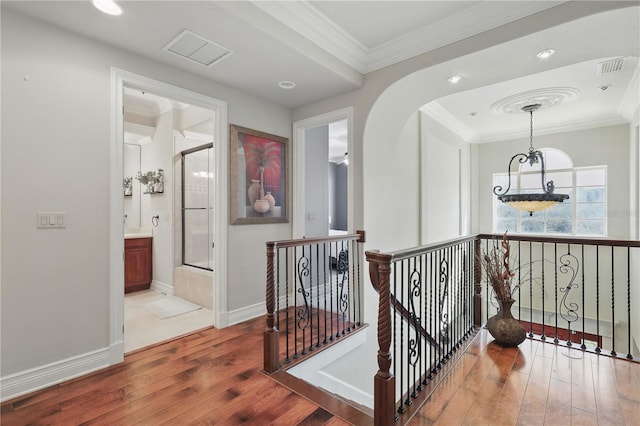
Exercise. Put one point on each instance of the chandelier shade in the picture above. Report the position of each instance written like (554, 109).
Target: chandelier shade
(530, 202)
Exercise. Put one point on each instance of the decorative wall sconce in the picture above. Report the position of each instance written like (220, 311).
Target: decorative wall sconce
(153, 180)
(530, 202)
(127, 185)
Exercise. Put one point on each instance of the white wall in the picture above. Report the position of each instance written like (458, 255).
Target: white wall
(592, 147)
(56, 139)
(445, 176)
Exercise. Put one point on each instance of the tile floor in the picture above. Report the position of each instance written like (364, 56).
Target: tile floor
(142, 328)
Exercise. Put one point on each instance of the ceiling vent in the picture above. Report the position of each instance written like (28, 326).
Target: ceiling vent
(197, 48)
(612, 65)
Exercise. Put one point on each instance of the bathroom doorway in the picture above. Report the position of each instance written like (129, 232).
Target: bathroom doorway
(164, 303)
(159, 122)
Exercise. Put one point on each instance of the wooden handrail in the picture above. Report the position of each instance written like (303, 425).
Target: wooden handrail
(562, 240)
(359, 236)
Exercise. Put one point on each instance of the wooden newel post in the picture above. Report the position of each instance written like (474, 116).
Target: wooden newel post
(477, 285)
(271, 334)
(384, 385)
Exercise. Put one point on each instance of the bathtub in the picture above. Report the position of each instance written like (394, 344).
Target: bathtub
(194, 285)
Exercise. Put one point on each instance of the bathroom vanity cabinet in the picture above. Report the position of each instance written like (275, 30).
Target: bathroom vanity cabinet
(138, 267)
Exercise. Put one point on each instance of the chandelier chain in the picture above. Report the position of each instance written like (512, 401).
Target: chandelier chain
(531, 133)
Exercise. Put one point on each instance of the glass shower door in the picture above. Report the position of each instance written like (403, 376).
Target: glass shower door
(197, 207)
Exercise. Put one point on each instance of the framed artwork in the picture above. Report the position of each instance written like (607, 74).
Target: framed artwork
(259, 181)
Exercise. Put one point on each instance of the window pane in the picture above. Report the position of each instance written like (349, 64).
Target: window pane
(561, 226)
(591, 177)
(591, 195)
(503, 181)
(590, 211)
(590, 227)
(560, 210)
(505, 211)
(531, 181)
(560, 179)
(503, 225)
(533, 225)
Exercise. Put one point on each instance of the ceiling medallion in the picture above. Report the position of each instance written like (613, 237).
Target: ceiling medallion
(546, 98)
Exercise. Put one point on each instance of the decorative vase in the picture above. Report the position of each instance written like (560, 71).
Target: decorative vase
(261, 206)
(271, 200)
(253, 192)
(150, 188)
(505, 329)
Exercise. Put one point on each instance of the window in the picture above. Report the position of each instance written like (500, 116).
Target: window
(584, 213)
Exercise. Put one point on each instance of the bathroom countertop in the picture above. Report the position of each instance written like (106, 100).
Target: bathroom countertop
(142, 233)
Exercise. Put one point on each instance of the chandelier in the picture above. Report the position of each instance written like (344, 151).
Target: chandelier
(530, 202)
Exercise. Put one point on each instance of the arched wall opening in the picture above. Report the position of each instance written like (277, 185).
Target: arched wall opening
(391, 152)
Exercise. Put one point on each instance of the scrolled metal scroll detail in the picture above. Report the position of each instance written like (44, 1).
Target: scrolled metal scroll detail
(569, 264)
(303, 312)
(444, 316)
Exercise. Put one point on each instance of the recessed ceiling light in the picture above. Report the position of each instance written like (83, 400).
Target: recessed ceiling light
(544, 54)
(454, 79)
(110, 7)
(287, 85)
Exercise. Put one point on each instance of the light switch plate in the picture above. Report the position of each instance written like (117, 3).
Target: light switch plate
(51, 220)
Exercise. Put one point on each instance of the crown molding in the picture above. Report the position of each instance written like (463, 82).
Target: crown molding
(308, 21)
(445, 118)
(466, 23)
(549, 130)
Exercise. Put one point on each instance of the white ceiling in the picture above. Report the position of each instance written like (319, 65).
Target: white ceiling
(327, 47)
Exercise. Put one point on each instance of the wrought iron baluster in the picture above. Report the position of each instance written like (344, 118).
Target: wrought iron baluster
(303, 313)
(432, 281)
(287, 291)
(415, 280)
(598, 298)
(569, 265)
(360, 290)
(324, 283)
(543, 337)
(613, 304)
(555, 290)
(531, 292)
(583, 346)
(629, 356)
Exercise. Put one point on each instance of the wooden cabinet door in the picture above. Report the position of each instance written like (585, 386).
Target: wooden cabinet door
(138, 266)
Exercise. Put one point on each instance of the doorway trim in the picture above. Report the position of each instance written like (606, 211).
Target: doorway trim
(119, 80)
(299, 129)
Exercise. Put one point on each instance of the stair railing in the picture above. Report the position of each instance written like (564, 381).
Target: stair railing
(313, 296)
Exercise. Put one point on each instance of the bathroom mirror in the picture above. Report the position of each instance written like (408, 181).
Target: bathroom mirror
(131, 186)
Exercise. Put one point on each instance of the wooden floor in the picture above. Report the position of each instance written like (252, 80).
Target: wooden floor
(534, 384)
(210, 377)
(214, 377)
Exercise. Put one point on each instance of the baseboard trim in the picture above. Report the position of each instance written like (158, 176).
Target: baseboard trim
(163, 288)
(34, 379)
(246, 313)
